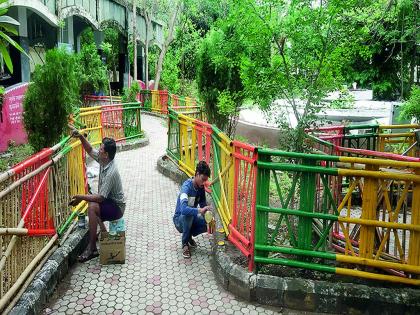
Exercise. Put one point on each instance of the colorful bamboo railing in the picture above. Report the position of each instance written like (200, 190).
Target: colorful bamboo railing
(158, 101)
(310, 218)
(233, 166)
(34, 194)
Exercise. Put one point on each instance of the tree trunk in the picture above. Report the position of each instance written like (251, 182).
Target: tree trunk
(134, 42)
(166, 44)
(149, 27)
(114, 74)
(146, 63)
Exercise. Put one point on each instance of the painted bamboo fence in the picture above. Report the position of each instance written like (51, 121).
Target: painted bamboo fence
(34, 195)
(347, 210)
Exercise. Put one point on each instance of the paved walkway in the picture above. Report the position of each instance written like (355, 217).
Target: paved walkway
(155, 279)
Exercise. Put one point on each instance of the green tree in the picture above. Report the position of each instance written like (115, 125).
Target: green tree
(218, 77)
(295, 51)
(411, 108)
(93, 73)
(111, 49)
(46, 113)
(388, 57)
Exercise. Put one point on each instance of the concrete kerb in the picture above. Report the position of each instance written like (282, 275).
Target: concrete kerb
(58, 264)
(299, 293)
(135, 144)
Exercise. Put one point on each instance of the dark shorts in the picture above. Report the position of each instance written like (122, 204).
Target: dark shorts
(110, 211)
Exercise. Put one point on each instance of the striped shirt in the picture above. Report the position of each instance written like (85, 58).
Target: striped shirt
(110, 186)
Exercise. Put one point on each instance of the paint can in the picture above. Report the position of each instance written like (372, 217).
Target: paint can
(81, 221)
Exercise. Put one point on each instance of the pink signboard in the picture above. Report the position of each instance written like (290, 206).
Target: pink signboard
(11, 119)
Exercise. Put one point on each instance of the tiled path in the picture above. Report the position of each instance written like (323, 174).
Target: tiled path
(155, 279)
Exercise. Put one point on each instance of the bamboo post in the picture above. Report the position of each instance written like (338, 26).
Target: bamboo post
(6, 298)
(29, 280)
(13, 231)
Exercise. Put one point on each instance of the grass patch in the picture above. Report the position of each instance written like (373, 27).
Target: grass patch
(14, 155)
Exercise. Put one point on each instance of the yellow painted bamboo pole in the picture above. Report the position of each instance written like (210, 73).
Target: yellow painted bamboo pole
(193, 145)
(380, 162)
(225, 169)
(377, 263)
(407, 126)
(224, 198)
(367, 232)
(396, 135)
(375, 276)
(341, 206)
(184, 167)
(90, 113)
(379, 174)
(375, 223)
(89, 109)
(414, 250)
(392, 217)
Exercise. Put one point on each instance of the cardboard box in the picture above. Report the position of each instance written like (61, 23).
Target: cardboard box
(112, 248)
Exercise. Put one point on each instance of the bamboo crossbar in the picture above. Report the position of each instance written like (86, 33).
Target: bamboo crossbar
(6, 298)
(13, 231)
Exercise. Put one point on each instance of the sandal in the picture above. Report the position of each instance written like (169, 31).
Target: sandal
(88, 256)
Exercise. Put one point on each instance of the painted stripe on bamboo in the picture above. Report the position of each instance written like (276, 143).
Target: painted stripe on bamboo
(380, 162)
(379, 174)
(317, 215)
(374, 276)
(295, 263)
(297, 168)
(377, 263)
(376, 223)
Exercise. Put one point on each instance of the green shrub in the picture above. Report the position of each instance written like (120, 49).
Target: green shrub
(411, 108)
(50, 98)
(130, 94)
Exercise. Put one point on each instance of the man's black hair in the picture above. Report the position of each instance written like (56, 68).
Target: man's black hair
(202, 169)
(110, 147)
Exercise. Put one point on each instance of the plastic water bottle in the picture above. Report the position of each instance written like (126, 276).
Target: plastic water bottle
(116, 226)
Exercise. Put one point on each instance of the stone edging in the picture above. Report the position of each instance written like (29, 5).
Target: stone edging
(142, 142)
(169, 169)
(299, 293)
(54, 270)
(150, 113)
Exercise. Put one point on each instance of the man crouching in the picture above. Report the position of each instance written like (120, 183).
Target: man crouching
(190, 208)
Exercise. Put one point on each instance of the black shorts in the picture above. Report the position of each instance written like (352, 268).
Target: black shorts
(110, 211)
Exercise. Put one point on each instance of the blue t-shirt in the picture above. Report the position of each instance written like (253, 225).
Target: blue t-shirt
(189, 198)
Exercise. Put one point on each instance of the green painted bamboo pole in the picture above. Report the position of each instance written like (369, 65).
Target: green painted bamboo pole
(262, 199)
(296, 168)
(294, 263)
(318, 215)
(65, 225)
(326, 143)
(365, 135)
(320, 157)
(295, 251)
(307, 199)
(365, 126)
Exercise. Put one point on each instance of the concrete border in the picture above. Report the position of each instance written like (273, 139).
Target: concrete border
(299, 293)
(135, 144)
(169, 169)
(54, 270)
